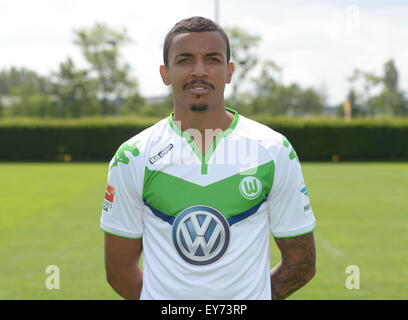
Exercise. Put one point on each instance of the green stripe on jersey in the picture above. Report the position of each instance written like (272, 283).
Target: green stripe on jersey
(231, 196)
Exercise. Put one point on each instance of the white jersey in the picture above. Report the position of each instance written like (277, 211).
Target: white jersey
(205, 220)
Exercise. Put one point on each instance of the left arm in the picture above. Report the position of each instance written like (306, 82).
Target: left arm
(297, 266)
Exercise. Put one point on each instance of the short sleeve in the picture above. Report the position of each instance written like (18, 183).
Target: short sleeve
(122, 213)
(290, 211)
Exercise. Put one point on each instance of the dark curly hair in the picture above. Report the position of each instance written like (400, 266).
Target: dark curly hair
(193, 24)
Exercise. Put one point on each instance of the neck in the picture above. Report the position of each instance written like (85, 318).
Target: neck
(216, 118)
(203, 126)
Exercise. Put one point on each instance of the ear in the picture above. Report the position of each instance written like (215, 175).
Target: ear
(164, 72)
(230, 71)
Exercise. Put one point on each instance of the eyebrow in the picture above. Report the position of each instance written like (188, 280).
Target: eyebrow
(183, 55)
(210, 54)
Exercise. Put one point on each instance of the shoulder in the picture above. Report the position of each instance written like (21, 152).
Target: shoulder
(273, 144)
(134, 149)
(258, 133)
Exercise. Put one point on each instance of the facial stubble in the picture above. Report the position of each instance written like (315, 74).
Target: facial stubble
(198, 107)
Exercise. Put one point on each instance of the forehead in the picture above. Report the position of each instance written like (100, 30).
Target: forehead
(198, 43)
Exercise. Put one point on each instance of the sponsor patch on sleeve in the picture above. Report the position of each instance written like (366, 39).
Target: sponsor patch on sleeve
(109, 198)
(307, 207)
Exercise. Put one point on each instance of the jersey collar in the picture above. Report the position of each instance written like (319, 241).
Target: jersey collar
(205, 158)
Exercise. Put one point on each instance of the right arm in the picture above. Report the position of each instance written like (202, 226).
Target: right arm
(122, 220)
(122, 257)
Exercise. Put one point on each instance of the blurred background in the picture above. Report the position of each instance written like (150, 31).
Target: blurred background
(78, 78)
(74, 58)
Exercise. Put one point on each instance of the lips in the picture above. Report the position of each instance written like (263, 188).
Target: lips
(198, 87)
(199, 90)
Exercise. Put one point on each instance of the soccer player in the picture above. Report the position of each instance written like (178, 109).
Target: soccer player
(200, 191)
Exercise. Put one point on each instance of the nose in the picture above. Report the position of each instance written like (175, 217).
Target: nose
(199, 69)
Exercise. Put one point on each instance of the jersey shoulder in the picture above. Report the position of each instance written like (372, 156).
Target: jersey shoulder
(261, 134)
(136, 147)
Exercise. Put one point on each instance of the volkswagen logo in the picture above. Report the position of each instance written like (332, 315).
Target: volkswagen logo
(201, 235)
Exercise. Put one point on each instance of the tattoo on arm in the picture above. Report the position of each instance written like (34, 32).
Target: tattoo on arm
(297, 266)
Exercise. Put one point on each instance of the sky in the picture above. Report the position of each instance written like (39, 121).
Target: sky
(318, 43)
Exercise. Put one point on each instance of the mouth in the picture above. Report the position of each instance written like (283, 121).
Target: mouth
(198, 87)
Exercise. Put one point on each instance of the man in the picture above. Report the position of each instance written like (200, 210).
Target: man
(183, 192)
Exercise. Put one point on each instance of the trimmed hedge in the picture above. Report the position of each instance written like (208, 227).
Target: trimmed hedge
(314, 139)
(50, 140)
(319, 139)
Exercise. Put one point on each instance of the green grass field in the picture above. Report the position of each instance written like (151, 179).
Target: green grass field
(49, 215)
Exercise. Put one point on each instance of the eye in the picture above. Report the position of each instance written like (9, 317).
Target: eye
(214, 60)
(183, 60)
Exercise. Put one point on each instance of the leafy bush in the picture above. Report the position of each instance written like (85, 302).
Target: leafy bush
(97, 139)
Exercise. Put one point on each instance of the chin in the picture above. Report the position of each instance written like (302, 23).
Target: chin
(199, 107)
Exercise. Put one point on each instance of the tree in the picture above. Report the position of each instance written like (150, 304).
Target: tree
(392, 98)
(28, 80)
(356, 108)
(369, 82)
(133, 105)
(273, 97)
(76, 93)
(389, 99)
(269, 78)
(241, 44)
(29, 92)
(32, 104)
(310, 102)
(101, 47)
(390, 76)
